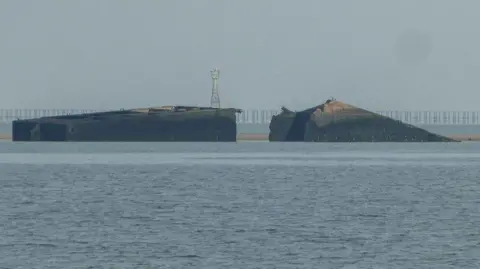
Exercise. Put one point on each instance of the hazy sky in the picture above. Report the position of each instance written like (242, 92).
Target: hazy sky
(408, 54)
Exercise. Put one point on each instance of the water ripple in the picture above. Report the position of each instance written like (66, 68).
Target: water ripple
(202, 209)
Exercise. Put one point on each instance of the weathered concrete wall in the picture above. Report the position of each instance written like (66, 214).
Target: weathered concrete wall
(152, 129)
(339, 122)
(206, 125)
(280, 126)
(369, 130)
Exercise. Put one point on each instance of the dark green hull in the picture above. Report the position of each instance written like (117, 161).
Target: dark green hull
(182, 125)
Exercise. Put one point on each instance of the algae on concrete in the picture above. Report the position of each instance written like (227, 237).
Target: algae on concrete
(334, 121)
(168, 123)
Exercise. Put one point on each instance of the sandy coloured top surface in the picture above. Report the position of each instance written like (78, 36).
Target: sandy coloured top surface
(338, 106)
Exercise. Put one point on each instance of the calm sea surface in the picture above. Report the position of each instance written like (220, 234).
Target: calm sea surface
(239, 205)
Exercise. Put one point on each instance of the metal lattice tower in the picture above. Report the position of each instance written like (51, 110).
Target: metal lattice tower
(215, 99)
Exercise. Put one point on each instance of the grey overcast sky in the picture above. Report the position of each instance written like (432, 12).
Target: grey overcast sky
(377, 54)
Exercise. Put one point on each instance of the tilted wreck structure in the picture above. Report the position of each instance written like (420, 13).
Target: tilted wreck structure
(167, 123)
(334, 121)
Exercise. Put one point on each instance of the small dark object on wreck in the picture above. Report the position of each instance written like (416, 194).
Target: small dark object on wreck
(167, 123)
(334, 121)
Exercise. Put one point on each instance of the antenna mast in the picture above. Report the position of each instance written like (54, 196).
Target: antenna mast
(215, 99)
